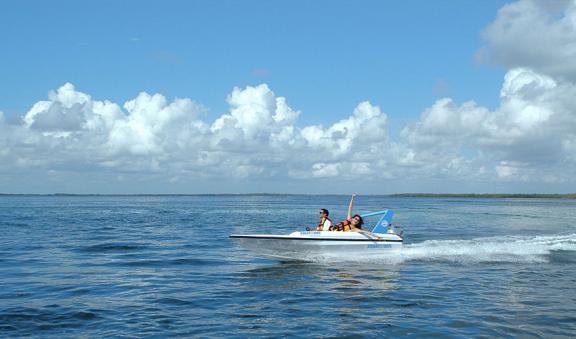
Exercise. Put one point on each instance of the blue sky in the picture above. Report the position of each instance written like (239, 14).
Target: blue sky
(323, 57)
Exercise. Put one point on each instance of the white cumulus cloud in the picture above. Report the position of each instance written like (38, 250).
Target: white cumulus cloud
(258, 137)
(536, 34)
(531, 136)
(531, 132)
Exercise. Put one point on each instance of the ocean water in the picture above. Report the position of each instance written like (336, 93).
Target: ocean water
(163, 266)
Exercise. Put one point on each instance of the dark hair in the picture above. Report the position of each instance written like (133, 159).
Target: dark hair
(359, 217)
(325, 211)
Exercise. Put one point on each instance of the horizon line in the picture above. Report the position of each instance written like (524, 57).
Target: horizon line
(400, 195)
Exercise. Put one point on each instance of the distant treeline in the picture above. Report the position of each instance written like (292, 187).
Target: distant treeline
(486, 195)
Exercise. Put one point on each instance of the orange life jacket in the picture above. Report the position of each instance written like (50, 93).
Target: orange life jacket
(343, 226)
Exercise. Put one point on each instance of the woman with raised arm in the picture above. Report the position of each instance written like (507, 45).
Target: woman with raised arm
(352, 222)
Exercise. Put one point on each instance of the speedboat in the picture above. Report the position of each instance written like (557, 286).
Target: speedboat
(311, 245)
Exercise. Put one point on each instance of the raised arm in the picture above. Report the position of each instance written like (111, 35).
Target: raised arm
(350, 206)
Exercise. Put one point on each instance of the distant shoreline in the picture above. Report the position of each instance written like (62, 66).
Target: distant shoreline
(486, 195)
(399, 195)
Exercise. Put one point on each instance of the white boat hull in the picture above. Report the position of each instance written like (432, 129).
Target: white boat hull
(311, 245)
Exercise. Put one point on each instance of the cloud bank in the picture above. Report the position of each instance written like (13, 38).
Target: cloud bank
(258, 137)
(529, 138)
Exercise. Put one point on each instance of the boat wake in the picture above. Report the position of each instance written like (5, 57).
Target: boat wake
(510, 249)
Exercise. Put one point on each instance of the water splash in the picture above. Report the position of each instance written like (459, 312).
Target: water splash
(520, 249)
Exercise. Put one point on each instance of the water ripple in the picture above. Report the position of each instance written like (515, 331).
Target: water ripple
(113, 247)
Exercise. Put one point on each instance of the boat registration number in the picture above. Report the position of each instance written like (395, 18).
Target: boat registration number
(371, 246)
(310, 233)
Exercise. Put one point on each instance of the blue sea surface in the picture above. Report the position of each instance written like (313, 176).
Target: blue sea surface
(163, 266)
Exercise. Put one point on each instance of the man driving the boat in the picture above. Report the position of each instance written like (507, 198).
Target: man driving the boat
(325, 222)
